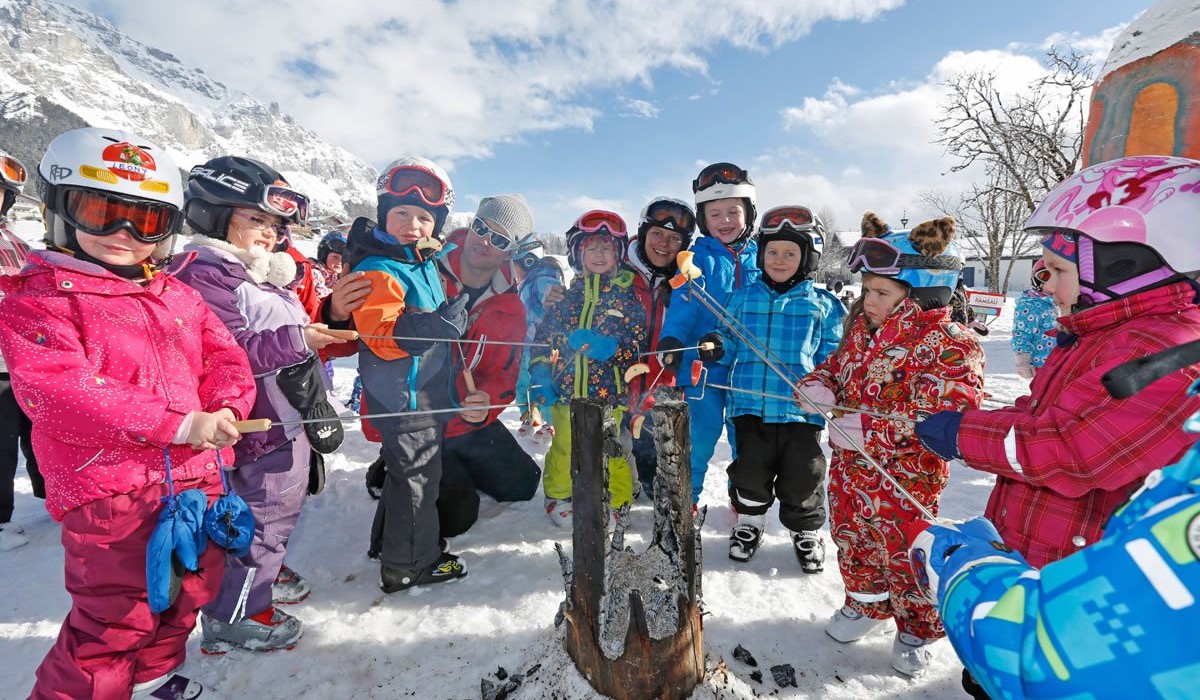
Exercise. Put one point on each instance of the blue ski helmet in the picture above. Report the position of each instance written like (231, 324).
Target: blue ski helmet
(925, 258)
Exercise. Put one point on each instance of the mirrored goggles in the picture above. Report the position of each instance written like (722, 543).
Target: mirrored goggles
(12, 172)
(727, 173)
(105, 213)
(597, 219)
(336, 245)
(1041, 276)
(429, 187)
(498, 240)
(799, 218)
(285, 202)
(671, 215)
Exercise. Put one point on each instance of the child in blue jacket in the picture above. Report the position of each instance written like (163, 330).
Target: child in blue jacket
(1034, 322)
(796, 326)
(726, 256)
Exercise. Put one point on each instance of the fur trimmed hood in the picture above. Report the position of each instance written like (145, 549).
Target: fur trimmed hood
(277, 269)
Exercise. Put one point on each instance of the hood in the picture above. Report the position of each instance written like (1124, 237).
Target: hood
(277, 269)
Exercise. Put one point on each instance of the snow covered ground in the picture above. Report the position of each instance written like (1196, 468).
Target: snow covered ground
(440, 643)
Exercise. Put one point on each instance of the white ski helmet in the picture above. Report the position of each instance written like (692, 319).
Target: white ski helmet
(1125, 222)
(115, 163)
(724, 181)
(416, 181)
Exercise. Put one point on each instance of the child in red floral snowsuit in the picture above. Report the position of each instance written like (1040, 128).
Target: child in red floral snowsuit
(901, 355)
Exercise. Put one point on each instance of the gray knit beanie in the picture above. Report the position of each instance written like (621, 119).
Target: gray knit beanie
(508, 212)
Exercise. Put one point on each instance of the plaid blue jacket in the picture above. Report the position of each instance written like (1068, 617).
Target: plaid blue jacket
(798, 328)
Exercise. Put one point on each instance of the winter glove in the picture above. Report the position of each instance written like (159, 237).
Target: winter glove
(718, 347)
(316, 472)
(942, 552)
(449, 322)
(542, 391)
(1024, 366)
(817, 393)
(302, 386)
(669, 355)
(939, 433)
(593, 345)
(855, 437)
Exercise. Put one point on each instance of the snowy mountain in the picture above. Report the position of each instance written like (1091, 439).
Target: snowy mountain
(65, 68)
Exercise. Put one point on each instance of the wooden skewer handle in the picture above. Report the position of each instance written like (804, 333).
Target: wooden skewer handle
(707, 346)
(343, 335)
(258, 425)
(469, 380)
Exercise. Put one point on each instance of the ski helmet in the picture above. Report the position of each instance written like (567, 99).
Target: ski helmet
(1039, 275)
(12, 180)
(529, 251)
(668, 213)
(925, 259)
(225, 183)
(800, 226)
(332, 242)
(100, 181)
(596, 222)
(723, 181)
(416, 181)
(1124, 223)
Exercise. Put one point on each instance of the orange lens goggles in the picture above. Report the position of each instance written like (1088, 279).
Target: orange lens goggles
(104, 213)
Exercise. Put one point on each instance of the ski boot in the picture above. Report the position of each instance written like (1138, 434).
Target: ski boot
(172, 686)
(270, 630)
(911, 655)
(848, 625)
(447, 567)
(12, 537)
(810, 551)
(559, 511)
(289, 587)
(746, 537)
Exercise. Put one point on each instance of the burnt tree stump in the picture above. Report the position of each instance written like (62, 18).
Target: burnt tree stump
(633, 619)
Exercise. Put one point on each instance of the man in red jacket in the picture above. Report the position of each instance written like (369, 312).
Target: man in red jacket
(479, 454)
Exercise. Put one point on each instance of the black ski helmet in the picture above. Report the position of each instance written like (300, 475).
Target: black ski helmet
(332, 242)
(799, 225)
(225, 183)
(669, 213)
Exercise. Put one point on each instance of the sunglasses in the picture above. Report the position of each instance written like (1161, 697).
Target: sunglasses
(11, 171)
(596, 220)
(727, 173)
(675, 216)
(279, 229)
(105, 213)
(406, 179)
(882, 258)
(799, 218)
(498, 240)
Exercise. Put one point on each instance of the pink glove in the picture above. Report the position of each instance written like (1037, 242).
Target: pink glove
(852, 425)
(817, 392)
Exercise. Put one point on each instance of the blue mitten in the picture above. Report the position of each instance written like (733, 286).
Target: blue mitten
(175, 546)
(230, 523)
(942, 552)
(593, 345)
(939, 433)
(541, 386)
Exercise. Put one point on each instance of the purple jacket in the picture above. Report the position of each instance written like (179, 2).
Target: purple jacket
(248, 291)
(107, 369)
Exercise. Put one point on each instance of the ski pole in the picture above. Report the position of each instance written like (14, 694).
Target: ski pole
(259, 425)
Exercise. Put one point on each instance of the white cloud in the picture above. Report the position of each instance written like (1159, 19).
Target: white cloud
(639, 108)
(452, 79)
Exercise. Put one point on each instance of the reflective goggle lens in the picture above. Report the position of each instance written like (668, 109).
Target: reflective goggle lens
(797, 217)
(595, 220)
(1041, 276)
(671, 215)
(336, 245)
(286, 202)
(874, 255)
(12, 171)
(719, 172)
(409, 178)
(498, 240)
(103, 214)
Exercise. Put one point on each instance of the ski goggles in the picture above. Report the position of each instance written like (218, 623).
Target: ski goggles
(335, 245)
(406, 179)
(1041, 276)
(727, 173)
(675, 216)
(285, 202)
(882, 258)
(105, 213)
(12, 172)
(799, 218)
(597, 220)
(497, 240)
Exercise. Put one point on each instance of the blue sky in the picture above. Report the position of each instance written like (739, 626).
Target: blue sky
(578, 104)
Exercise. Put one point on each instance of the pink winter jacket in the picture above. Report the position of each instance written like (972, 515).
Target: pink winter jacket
(1067, 455)
(107, 369)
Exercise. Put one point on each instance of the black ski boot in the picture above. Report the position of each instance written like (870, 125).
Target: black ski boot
(448, 567)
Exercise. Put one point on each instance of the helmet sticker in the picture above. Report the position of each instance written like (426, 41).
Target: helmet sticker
(128, 161)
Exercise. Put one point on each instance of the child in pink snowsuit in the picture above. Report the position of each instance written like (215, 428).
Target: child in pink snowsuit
(121, 368)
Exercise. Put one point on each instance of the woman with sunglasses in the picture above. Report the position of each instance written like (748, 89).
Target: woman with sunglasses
(598, 330)
(130, 380)
(238, 208)
(15, 428)
(726, 255)
(901, 355)
(1033, 324)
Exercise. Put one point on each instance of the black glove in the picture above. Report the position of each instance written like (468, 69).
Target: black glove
(302, 387)
(718, 349)
(449, 322)
(316, 472)
(669, 355)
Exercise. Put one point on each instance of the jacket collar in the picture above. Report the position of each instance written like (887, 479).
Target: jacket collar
(1171, 298)
(276, 269)
(69, 273)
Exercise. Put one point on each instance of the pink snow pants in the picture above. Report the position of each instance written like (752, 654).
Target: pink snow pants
(110, 639)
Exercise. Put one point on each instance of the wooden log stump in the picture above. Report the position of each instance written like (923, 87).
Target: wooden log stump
(633, 619)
